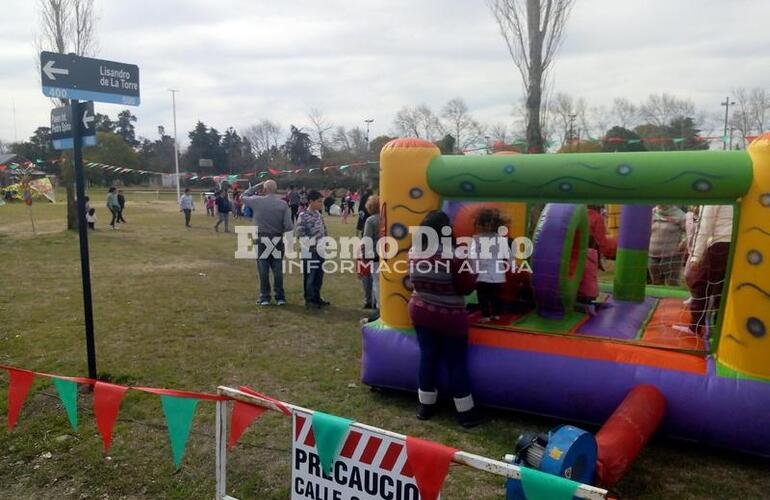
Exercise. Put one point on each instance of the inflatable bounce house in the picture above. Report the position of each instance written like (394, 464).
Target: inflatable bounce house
(555, 360)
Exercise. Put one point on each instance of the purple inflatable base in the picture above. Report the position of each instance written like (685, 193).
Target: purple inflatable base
(718, 411)
(619, 319)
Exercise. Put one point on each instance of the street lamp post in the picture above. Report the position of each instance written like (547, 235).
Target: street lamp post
(727, 105)
(368, 122)
(176, 146)
(571, 137)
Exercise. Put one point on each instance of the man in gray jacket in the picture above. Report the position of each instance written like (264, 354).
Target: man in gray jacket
(272, 217)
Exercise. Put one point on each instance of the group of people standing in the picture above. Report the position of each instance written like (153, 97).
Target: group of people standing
(116, 203)
(696, 241)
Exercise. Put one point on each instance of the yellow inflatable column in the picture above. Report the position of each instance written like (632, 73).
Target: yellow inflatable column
(405, 198)
(613, 220)
(744, 345)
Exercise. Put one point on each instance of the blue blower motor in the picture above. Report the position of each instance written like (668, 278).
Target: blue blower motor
(565, 451)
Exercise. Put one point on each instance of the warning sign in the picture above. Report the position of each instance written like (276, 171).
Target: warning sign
(370, 466)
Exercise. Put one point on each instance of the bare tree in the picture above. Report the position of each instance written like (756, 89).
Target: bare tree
(533, 31)
(322, 125)
(499, 133)
(419, 122)
(67, 26)
(264, 136)
(562, 109)
(749, 117)
(341, 140)
(624, 113)
(660, 110)
(465, 129)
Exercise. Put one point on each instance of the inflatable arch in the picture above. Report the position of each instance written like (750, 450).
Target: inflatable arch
(553, 363)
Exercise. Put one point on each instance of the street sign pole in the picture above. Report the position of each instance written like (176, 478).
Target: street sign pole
(85, 266)
(68, 76)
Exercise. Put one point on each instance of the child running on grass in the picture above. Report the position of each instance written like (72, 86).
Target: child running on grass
(492, 262)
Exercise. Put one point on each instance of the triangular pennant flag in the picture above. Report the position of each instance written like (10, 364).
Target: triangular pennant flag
(330, 432)
(19, 382)
(107, 399)
(242, 417)
(543, 486)
(179, 414)
(68, 393)
(429, 462)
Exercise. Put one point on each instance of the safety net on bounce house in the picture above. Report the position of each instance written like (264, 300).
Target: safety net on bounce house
(699, 340)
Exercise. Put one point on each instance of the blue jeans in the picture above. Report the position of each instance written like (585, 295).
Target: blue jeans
(265, 265)
(454, 350)
(366, 282)
(313, 273)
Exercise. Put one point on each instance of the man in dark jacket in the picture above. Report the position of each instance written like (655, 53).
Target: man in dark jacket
(224, 207)
(122, 203)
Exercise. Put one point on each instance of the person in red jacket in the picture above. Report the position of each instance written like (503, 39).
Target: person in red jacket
(606, 245)
(437, 310)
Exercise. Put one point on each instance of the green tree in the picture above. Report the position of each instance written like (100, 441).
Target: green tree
(158, 155)
(124, 127)
(103, 123)
(622, 140)
(685, 135)
(298, 148)
(111, 149)
(205, 144)
(446, 145)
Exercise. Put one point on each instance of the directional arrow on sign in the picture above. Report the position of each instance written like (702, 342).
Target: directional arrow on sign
(87, 119)
(51, 72)
(62, 124)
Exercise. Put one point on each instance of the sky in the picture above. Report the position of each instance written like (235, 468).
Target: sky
(239, 61)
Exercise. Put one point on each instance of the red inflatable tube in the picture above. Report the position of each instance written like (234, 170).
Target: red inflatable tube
(625, 433)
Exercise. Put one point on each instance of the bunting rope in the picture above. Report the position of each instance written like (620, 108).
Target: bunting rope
(428, 461)
(270, 172)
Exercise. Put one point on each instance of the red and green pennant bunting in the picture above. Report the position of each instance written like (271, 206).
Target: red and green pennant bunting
(179, 412)
(543, 486)
(68, 393)
(330, 432)
(19, 382)
(429, 462)
(107, 399)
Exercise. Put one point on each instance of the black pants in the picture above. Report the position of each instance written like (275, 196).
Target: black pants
(489, 298)
(313, 273)
(120, 215)
(187, 215)
(294, 212)
(115, 215)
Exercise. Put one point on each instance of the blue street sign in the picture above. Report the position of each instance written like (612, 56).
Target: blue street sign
(61, 126)
(67, 76)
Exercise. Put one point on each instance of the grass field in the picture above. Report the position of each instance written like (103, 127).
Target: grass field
(173, 308)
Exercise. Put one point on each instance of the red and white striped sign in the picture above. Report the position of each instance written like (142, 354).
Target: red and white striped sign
(369, 466)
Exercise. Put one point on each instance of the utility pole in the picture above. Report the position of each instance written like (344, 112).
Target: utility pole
(368, 122)
(570, 135)
(15, 130)
(727, 105)
(176, 145)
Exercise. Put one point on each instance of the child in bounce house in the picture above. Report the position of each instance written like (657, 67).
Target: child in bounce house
(491, 262)
(437, 310)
